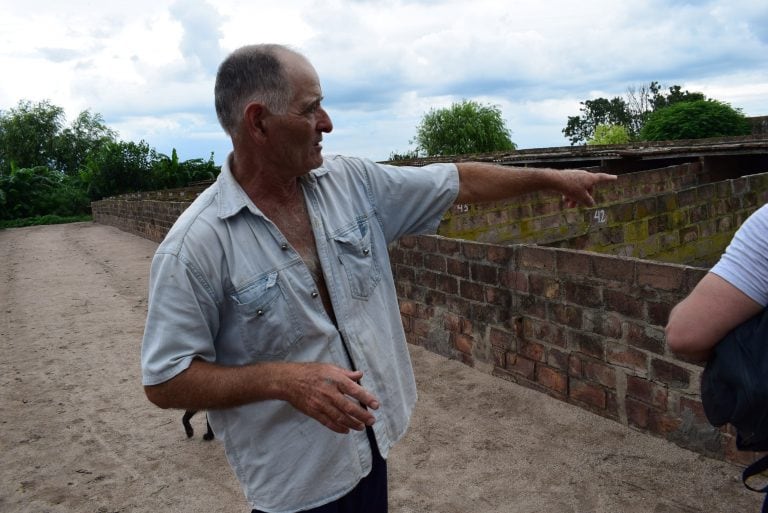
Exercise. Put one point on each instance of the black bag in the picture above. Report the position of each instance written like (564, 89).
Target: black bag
(734, 390)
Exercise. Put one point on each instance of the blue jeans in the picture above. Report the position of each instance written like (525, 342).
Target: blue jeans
(370, 494)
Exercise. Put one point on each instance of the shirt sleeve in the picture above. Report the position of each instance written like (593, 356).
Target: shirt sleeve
(745, 261)
(182, 320)
(412, 200)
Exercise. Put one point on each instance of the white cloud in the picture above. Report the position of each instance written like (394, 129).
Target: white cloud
(148, 65)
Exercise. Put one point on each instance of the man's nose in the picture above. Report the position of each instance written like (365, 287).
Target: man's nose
(324, 123)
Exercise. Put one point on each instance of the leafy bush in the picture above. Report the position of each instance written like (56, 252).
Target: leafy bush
(610, 134)
(695, 120)
(464, 127)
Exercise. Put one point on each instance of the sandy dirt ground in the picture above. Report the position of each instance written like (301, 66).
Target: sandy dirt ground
(78, 435)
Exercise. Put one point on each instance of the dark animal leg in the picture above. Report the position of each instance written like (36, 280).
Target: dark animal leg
(209, 434)
(185, 421)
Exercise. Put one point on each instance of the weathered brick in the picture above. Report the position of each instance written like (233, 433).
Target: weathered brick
(571, 263)
(498, 296)
(582, 294)
(628, 357)
(645, 337)
(588, 344)
(637, 413)
(545, 286)
(462, 343)
(484, 273)
(623, 303)
(457, 268)
(552, 379)
(568, 315)
(647, 392)
(471, 291)
(514, 280)
(536, 258)
(532, 350)
(586, 393)
(435, 262)
(521, 366)
(501, 339)
(599, 372)
(659, 276)
(671, 374)
(614, 268)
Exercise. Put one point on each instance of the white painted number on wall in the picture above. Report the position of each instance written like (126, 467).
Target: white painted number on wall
(600, 216)
(462, 209)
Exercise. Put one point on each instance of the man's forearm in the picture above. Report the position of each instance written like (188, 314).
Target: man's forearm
(481, 182)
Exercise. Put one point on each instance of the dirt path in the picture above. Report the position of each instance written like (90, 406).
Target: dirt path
(77, 434)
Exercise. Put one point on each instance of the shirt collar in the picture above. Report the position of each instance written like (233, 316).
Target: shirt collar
(232, 198)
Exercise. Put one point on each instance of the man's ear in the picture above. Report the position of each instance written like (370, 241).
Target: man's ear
(253, 119)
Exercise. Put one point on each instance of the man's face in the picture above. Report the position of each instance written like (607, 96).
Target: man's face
(295, 136)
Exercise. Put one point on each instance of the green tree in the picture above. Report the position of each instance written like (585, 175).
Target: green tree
(37, 191)
(464, 127)
(610, 134)
(632, 112)
(83, 138)
(695, 120)
(118, 167)
(27, 135)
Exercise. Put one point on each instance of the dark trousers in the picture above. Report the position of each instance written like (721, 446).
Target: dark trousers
(370, 494)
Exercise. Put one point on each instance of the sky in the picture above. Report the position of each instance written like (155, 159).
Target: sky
(148, 66)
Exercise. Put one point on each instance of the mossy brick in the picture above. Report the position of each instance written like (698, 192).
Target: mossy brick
(686, 197)
(621, 213)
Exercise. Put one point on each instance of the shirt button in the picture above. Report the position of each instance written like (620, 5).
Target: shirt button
(366, 251)
(314, 293)
(284, 246)
(259, 312)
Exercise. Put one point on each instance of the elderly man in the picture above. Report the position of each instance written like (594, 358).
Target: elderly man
(272, 303)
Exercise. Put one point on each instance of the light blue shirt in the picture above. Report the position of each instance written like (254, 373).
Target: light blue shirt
(745, 261)
(226, 287)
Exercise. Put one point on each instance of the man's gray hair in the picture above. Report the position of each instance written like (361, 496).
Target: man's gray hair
(253, 73)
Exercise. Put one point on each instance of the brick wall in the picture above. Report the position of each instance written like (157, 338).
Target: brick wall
(584, 327)
(672, 214)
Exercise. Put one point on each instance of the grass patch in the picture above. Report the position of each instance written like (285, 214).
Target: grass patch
(40, 220)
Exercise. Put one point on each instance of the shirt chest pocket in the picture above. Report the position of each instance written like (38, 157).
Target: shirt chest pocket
(268, 324)
(357, 256)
